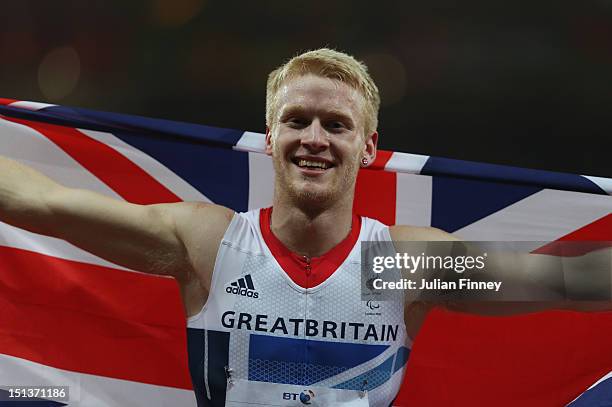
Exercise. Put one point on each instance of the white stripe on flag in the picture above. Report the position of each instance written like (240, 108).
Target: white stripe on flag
(154, 168)
(253, 142)
(607, 376)
(89, 390)
(413, 202)
(603, 183)
(406, 162)
(261, 181)
(28, 146)
(542, 217)
(23, 104)
(11, 236)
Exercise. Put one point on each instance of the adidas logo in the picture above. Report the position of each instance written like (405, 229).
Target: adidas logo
(243, 286)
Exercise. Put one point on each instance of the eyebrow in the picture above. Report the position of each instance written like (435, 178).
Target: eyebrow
(339, 114)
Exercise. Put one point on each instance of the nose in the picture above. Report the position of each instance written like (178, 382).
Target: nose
(315, 137)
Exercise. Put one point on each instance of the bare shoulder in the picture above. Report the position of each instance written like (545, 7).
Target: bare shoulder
(200, 227)
(210, 214)
(199, 223)
(419, 233)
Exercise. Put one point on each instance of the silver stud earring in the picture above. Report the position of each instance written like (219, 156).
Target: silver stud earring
(364, 162)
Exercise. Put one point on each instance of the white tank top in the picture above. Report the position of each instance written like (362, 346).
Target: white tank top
(270, 340)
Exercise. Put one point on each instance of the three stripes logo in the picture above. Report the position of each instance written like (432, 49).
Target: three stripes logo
(243, 286)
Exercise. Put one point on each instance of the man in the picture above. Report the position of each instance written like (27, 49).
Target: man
(277, 290)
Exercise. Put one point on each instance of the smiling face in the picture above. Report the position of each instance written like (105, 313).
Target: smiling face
(317, 141)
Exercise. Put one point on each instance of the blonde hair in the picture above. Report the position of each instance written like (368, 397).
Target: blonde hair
(327, 63)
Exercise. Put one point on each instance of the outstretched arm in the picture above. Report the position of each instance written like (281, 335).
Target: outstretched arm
(562, 280)
(157, 239)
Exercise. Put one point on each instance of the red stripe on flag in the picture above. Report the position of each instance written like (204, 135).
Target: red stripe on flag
(600, 230)
(4, 101)
(375, 190)
(594, 236)
(115, 170)
(534, 360)
(92, 319)
(382, 158)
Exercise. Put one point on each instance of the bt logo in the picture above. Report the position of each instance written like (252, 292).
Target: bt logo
(305, 397)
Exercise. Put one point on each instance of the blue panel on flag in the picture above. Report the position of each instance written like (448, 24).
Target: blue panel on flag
(458, 202)
(220, 174)
(112, 122)
(599, 395)
(122, 122)
(512, 175)
(304, 362)
(191, 151)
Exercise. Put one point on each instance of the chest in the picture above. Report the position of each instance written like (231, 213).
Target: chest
(254, 294)
(268, 330)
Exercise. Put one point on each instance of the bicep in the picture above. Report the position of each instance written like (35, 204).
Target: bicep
(140, 237)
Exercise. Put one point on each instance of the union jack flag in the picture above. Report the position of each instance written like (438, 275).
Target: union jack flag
(118, 338)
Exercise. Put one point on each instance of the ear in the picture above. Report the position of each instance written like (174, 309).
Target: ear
(369, 149)
(268, 149)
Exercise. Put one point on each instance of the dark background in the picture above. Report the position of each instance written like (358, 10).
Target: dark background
(520, 83)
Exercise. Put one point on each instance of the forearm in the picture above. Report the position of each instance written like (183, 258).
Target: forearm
(556, 276)
(537, 282)
(509, 273)
(23, 196)
(140, 237)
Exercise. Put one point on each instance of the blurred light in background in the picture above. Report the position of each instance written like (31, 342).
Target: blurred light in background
(174, 13)
(533, 75)
(390, 76)
(58, 73)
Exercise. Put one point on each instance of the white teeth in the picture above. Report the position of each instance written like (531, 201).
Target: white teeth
(317, 164)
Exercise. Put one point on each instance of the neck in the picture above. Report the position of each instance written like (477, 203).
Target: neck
(311, 233)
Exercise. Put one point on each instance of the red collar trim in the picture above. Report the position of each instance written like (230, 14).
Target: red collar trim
(296, 266)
